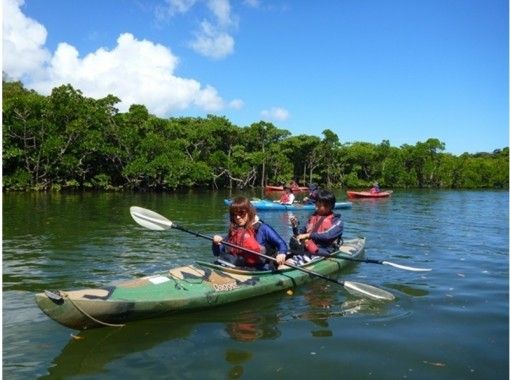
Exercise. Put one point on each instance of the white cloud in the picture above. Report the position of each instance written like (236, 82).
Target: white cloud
(137, 71)
(213, 38)
(180, 6)
(252, 3)
(221, 9)
(236, 104)
(275, 113)
(172, 7)
(23, 41)
(209, 100)
(212, 42)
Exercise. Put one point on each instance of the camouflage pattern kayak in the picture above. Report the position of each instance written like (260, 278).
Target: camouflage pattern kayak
(192, 287)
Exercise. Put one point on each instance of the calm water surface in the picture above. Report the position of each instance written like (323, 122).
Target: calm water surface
(451, 323)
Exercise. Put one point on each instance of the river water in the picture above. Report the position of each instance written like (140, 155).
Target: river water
(450, 323)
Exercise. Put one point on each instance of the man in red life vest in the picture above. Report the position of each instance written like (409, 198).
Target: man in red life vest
(322, 234)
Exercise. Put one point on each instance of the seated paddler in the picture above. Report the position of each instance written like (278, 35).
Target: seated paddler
(322, 234)
(248, 231)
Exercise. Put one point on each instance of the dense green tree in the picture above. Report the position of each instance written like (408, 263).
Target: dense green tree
(69, 141)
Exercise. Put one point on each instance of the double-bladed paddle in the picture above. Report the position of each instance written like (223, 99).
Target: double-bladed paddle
(382, 262)
(153, 221)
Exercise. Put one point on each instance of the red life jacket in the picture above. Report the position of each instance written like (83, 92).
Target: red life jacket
(245, 238)
(318, 223)
(285, 198)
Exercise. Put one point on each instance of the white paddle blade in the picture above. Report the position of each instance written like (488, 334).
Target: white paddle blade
(368, 291)
(405, 267)
(149, 219)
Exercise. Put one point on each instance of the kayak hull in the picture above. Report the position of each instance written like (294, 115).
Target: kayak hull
(196, 286)
(265, 205)
(368, 194)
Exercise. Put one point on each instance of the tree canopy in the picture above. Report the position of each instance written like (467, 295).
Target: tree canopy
(69, 141)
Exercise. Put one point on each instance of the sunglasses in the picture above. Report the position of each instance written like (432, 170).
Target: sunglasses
(240, 214)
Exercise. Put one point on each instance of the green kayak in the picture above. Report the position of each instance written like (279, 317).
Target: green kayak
(196, 286)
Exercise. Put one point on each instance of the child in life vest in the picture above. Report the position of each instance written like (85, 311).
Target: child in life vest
(287, 197)
(247, 231)
(322, 234)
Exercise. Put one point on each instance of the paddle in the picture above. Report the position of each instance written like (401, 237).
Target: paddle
(153, 221)
(373, 261)
(382, 262)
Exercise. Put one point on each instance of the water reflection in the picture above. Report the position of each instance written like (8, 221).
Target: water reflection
(237, 358)
(319, 297)
(98, 351)
(90, 351)
(253, 327)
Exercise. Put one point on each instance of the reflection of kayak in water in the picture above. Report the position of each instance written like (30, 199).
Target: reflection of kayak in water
(368, 194)
(183, 289)
(96, 352)
(268, 205)
(90, 352)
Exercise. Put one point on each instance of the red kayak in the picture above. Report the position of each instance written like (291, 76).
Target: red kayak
(280, 188)
(368, 194)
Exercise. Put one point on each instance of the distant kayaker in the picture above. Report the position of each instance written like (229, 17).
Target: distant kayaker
(322, 233)
(312, 195)
(287, 197)
(294, 185)
(246, 230)
(375, 188)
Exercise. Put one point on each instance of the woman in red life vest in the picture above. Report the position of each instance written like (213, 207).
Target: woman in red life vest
(287, 197)
(322, 233)
(247, 231)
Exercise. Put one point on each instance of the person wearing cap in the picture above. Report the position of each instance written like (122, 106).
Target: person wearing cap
(287, 197)
(312, 195)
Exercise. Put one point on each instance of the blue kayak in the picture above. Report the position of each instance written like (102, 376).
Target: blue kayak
(268, 205)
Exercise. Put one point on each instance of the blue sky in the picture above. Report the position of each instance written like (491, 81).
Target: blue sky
(370, 70)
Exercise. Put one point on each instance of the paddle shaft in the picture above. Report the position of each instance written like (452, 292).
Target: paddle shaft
(258, 254)
(373, 261)
(370, 261)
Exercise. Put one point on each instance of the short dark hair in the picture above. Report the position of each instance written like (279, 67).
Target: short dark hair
(327, 198)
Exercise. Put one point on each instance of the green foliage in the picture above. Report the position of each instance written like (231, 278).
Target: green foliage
(66, 141)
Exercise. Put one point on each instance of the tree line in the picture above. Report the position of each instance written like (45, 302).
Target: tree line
(69, 141)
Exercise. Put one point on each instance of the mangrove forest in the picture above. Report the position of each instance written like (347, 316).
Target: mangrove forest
(67, 141)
